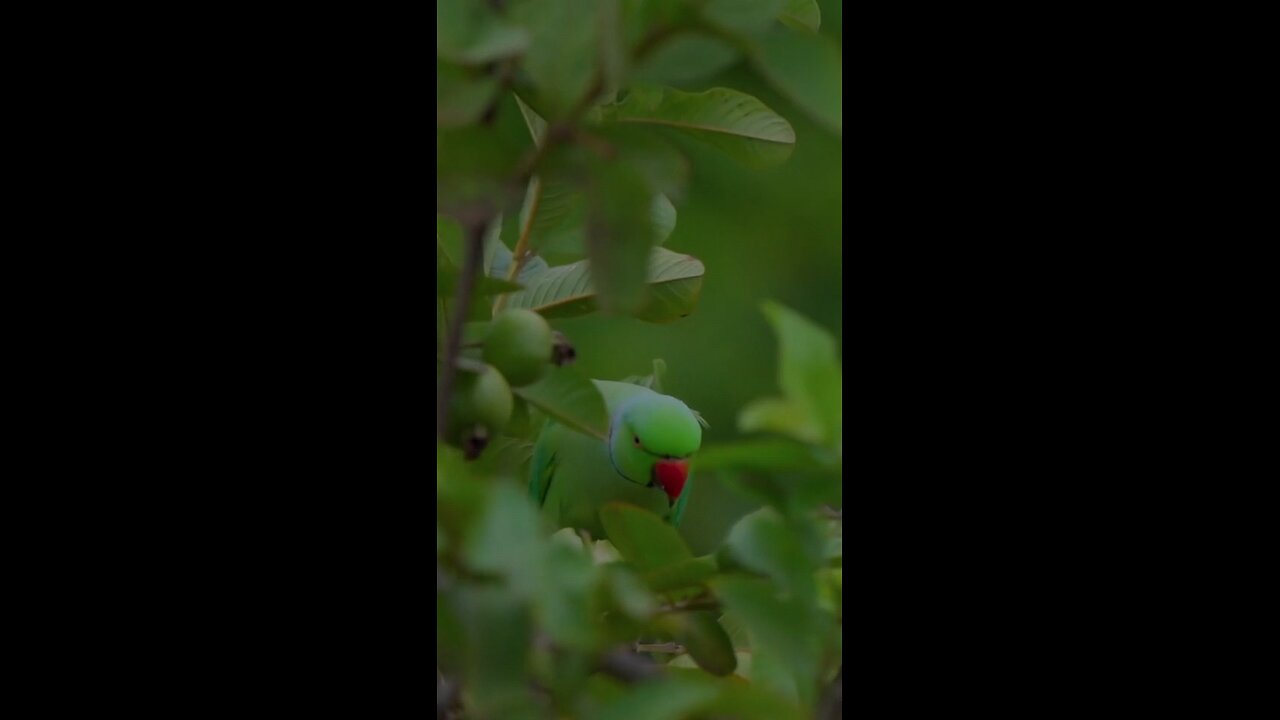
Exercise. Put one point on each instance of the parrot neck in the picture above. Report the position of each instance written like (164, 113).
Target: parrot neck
(617, 442)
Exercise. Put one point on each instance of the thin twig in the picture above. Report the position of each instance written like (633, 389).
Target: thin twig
(703, 602)
(670, 648)
(521, 253)
(461, 303)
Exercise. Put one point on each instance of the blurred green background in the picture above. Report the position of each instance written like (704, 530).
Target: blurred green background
(762, 234)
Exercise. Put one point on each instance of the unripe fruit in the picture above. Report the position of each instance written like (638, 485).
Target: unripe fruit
(519, 345)
(480, 409)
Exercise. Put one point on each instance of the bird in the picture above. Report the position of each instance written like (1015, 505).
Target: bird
(644, 460)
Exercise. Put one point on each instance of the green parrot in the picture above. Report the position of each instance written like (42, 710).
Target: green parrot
(645, 461)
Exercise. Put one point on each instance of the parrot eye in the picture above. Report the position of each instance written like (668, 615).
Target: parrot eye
(637, 439)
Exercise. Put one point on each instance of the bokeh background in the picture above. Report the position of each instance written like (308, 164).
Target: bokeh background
(762, 234)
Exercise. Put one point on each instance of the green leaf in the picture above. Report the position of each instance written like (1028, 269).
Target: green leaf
(629, 594)
(707, 642)
(449, 251)
(537, 126)
(750, 702)
(802, 15)
(769, 455)
(744, 16)
(663, 215)
(765, 543)
(675, 282)
(461, 98)
(447, 282)
(498, 634)
(554, 216)
(507, 541)
(685, 58)
(619, 235)
(811, 380)
(564, 605)
(473, 164)
(644, 539)
(780, 416)
(564, 51)
(449, 239)
(470, 33)
(664, 699)
(735, 122)
(808, 69)
(684, 574)
(501, 264)
(785, 638)
(571, 399)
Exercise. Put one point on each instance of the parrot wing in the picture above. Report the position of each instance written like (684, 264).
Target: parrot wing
(542, 469)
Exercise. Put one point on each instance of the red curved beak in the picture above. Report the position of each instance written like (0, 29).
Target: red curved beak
(671, 475)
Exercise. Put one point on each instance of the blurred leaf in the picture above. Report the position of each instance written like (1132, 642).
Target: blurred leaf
(468, 32)
(449, 239)
(735, 122)
(505, 455)
(763, 542)
(684, 58)
(571, 399)
(663, 214)
(564, 51)
(811, 380)
(802, 15)
(564, 608)
(449, 250)
(498, 634)
(675, 282)
(750, 702)
(744, 16)
(683, 574)
(472, 166)
(653, 381)
(775, 455)
(807, 68)
(780, 416)
(507, 542)
(461, 98)
(785, 643)
(447, 283)
(830, 589)
(663, 168)
(619, 235)
(707, 643)
(737, 631)
(665, 699)
(643, 538)
(629, 594)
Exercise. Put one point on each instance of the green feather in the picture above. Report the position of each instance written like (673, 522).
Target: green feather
(573, 475)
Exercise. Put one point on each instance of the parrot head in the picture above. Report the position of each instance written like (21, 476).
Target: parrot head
(651, 440)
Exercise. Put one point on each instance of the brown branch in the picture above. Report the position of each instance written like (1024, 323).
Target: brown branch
(670, 648)
(521, 253)
(461, 304)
